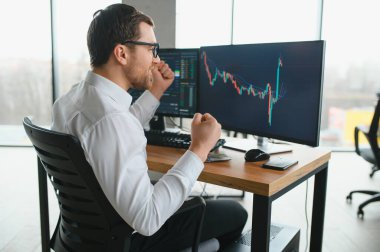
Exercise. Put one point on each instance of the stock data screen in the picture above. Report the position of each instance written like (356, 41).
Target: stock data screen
(180, 99)
(271, 90)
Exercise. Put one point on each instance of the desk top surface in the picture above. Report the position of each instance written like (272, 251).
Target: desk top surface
(247, 176)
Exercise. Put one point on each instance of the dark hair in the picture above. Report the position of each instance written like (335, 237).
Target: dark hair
(115, 24)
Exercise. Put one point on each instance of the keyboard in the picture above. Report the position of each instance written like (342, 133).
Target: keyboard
(173, 139)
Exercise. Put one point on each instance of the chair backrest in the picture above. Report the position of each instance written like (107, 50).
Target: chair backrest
(374, 127)
(372, 135)
(87, 222)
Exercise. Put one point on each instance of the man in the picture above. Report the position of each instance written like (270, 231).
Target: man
(124, 54)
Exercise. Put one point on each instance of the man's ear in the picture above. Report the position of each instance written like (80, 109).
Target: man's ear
(121, 54)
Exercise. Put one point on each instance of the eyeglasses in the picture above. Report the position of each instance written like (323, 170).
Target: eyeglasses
(156, 46)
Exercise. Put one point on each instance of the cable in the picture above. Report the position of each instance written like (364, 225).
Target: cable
(204, 193)
(307, 220)
(178, 126)
(172, 120)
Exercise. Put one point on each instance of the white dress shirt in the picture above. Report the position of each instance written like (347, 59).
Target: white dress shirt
(99, 113)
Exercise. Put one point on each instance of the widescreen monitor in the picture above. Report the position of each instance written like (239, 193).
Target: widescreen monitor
(270, 90)
(180, 99)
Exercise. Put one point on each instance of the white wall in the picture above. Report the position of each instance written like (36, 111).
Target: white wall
(163, 13)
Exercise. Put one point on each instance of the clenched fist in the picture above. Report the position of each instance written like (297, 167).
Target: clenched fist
(205, 132)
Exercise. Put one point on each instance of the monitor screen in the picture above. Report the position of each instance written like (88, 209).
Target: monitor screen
(180, 99)
(271, 90)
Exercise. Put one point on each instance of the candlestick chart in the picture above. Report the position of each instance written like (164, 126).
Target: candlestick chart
(269, 93)
(271, 90)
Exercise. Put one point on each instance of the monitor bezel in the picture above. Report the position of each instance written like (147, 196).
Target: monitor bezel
(315, 141)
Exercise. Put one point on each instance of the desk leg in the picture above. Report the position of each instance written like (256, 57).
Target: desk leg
(319, 202)
(44, 207)
(261, 218)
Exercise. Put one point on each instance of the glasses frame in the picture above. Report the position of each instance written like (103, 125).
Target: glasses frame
(156, 46)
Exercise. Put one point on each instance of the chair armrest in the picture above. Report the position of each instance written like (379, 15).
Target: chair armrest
(191, 204)
(194, 204)
(121, 237)
(360, 128)
(356, 137)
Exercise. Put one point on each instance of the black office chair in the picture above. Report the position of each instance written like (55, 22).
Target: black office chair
(371, 155)
(87, 221)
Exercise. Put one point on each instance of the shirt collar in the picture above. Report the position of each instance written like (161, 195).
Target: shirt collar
(109, 88)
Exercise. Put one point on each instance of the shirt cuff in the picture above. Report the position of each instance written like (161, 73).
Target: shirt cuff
(195, 156)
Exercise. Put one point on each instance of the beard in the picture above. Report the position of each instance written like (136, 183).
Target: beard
(140, 80)
(142, 83)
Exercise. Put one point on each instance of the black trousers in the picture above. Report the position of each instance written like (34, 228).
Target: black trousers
(224, 220)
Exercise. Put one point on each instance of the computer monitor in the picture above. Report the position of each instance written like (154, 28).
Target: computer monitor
(180, 99)
(271, 90)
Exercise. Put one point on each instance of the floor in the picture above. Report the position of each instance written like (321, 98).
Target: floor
(19, 214)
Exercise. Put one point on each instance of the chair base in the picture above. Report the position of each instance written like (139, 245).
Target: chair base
(375, 197)
(374, 169)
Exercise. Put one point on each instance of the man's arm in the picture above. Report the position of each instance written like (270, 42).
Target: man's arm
(163, 77)
(116, 149)
(145, 107)
(205, 132)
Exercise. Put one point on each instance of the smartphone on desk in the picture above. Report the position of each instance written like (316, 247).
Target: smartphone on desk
(279, 163)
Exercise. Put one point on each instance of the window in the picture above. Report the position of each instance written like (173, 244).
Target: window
(352, 65)
(275, 21)
(351, 57)
(73, 19)
(25, 62)
(201, 23)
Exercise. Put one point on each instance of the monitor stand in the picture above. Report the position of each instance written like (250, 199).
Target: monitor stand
(262, 144)
(158, 123)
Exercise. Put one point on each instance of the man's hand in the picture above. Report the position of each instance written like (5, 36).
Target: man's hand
(163, 77)
(205, 132)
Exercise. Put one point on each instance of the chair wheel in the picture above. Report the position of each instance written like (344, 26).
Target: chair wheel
(349, 198)
(360, 214)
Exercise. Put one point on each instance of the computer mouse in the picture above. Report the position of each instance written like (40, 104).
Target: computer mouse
(255, 155)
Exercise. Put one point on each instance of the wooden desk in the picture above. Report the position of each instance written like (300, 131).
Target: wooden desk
(267, 185)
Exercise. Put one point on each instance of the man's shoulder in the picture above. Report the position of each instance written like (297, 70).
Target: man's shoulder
(88, 101)
(84, 107)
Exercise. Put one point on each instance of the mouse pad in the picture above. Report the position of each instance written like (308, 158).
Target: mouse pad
(279, 163)
(217, 157)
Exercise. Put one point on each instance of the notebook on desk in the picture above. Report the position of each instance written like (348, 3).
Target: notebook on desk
(247, 144)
